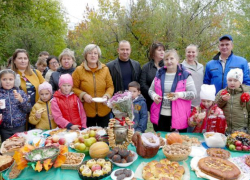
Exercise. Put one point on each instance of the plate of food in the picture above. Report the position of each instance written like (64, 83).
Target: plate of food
(122, 157)
(125, 174)
(99, 99)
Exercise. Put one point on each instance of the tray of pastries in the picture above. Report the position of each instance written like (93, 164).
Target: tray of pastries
(162, 169)
(176, 151)
(12, 144)
(218, 152)
(73, 160)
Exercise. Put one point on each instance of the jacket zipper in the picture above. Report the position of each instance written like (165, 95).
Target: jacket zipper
(10, 108)
(223, 74)
(48, 115)
(231, 108)
(96, 109)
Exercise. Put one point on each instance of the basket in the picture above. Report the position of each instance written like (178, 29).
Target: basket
(74, 166)
(177, 157)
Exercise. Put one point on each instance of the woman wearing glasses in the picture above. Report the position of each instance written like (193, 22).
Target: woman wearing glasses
(53, 64)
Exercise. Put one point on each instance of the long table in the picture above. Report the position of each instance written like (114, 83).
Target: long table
(61, 174)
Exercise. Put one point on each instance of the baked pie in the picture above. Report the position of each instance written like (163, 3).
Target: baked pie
(176, 151)
(5, 162)
(219, 168)
(162, 170)
(12, 144)
(218, 152)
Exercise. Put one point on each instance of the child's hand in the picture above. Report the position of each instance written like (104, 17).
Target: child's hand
(226, 97)
(38, 115)
(201, 116)
(75, 127)
(157, 99)
(18, 97)
(87, 98)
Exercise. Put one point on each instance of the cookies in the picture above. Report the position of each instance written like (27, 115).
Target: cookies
(218, 152)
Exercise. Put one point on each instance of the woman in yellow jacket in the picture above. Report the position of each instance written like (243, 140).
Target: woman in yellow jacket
(92, 79)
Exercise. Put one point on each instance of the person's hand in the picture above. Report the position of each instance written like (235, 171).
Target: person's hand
(38, 115)
(18, 97)
(201, 116)
(75, 127)
(157, 99)
(175, 97)
(1, 116)
(106, 99)
(226, 97)
(87, 98)
(50, 116)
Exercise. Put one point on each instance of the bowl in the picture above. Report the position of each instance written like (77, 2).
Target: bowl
(215, 140)
(115, 177)
(126, 164)
(181, 151)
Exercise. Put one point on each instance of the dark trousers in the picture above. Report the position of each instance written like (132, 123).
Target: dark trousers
(98, 121)
(164, 124)
(7, 133)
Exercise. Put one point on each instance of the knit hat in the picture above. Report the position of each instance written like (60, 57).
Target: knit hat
(45, 85)
(65, 79)
(207, 92)
(236, 74)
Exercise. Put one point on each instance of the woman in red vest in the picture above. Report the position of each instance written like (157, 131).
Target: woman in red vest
(67, 109)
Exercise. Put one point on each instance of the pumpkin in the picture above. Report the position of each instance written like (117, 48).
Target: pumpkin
(174, 138)
(99, 150)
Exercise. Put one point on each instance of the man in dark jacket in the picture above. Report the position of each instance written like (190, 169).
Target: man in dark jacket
(123, 69)
(217, 69)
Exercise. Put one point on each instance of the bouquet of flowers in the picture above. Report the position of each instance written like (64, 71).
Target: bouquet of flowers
(122, 103)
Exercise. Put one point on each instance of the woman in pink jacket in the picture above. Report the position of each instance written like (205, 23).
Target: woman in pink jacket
(67, 109)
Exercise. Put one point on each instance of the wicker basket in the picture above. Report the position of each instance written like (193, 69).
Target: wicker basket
(178, 156)
(74, 166)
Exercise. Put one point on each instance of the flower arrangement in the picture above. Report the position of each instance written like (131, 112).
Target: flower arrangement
(22, 162)
(122, 103)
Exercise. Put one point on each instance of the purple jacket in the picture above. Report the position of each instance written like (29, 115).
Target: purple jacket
(180, 108)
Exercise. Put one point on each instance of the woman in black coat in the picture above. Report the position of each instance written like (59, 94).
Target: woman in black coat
(156, 54)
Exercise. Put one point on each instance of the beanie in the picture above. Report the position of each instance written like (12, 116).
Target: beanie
(208, 92)
(45, 85)
(236, 74)
(65, 79)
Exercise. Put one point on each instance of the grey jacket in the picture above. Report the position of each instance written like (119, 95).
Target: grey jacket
(197, 75)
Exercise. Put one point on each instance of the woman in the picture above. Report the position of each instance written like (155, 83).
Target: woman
(172, 91)
(53, 64)
(92, 79)
(68, 64)
(196, 69)
(30, 79)
(156, 54)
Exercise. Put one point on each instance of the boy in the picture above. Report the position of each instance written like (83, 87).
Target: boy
(140, 107)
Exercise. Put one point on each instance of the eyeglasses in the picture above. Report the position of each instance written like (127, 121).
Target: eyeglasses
(53, 63)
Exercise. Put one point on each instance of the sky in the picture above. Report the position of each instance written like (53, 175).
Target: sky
(75, 9)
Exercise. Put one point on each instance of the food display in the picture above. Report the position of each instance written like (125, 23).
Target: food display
(121, 174)
(55, 140)
(122, 157)
(57, 131)
(215, 140)
(218, 152)
(5, 162)
(42, 153)
(73, 160)
(14, 172)
(238, 141)
(162, 169)
(12, 144)
(92, 168)
(99, 150)
(176, 151)
(191, 141)
(219, 168)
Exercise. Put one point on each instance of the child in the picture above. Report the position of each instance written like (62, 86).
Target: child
(208, 116)
(67, 109)
(41, 113)
(13, 115)
(231, 102)
(140, 107)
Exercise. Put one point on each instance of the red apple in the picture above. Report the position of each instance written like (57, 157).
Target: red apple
(56, 144)
(245, 148)
(96, 167)
(49, 144)
(238, 143)
(48, 141)
(81, 139)
(62, 141)
(238, 148)
(55, 139)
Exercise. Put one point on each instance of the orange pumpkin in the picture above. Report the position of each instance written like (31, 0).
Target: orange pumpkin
(174, 138)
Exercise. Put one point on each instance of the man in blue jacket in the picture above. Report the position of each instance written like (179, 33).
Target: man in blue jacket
(217, 69)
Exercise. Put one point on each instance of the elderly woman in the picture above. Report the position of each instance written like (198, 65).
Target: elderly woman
(156, 54)
(172, 91)
(53, 64)
(30, 79)
(92, 79)
(196, 69)
(68, 64)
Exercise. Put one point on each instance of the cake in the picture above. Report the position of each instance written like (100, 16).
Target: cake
(5, 162)
(97, 173)
(86, 172)
(100, 161)
(91, 162)
(219, 168)
(218, 152)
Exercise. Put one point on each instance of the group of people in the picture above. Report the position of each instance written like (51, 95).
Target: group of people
(177, 94)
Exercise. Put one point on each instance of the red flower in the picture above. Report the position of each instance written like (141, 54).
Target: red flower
(224, 92)
(245, 97)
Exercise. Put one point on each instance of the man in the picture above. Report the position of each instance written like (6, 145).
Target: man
(123, 69)
(217, 69)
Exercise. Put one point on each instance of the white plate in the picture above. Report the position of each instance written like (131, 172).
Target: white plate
(127, 178)
(126, 164)
(98, 99)
(197, 151)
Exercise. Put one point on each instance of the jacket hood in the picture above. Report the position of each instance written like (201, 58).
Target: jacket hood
(140, 98)
(65, 71)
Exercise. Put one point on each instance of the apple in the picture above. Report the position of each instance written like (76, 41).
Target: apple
(88, 142)
(96, 167)
(81, 139)
(238, 148)
(55, 139)
(56, 144)
(49, 144)
(232, 147)
(245, 148)
(93, 139)
(92, 133)
(238, 143)
(81, 147)
(48, 141)
(86, 136)
(76, 145)
(62, 141)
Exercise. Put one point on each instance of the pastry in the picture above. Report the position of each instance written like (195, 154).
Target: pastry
(12, 144)
(219, 168)
(218, 152)
(170, 95)
(91, 162)
(41, 110)
(106, 169)
(191, 141)
(247, 160)
(100, 161)
(84, 166)
(87, 172)
(97, 173)
(176, 152)
(107, 163)
(5, 162)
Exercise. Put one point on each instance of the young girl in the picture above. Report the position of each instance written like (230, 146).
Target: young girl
(231, 101)
(208, 116)
(67, 109)
(14, 112)
(41, 113)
